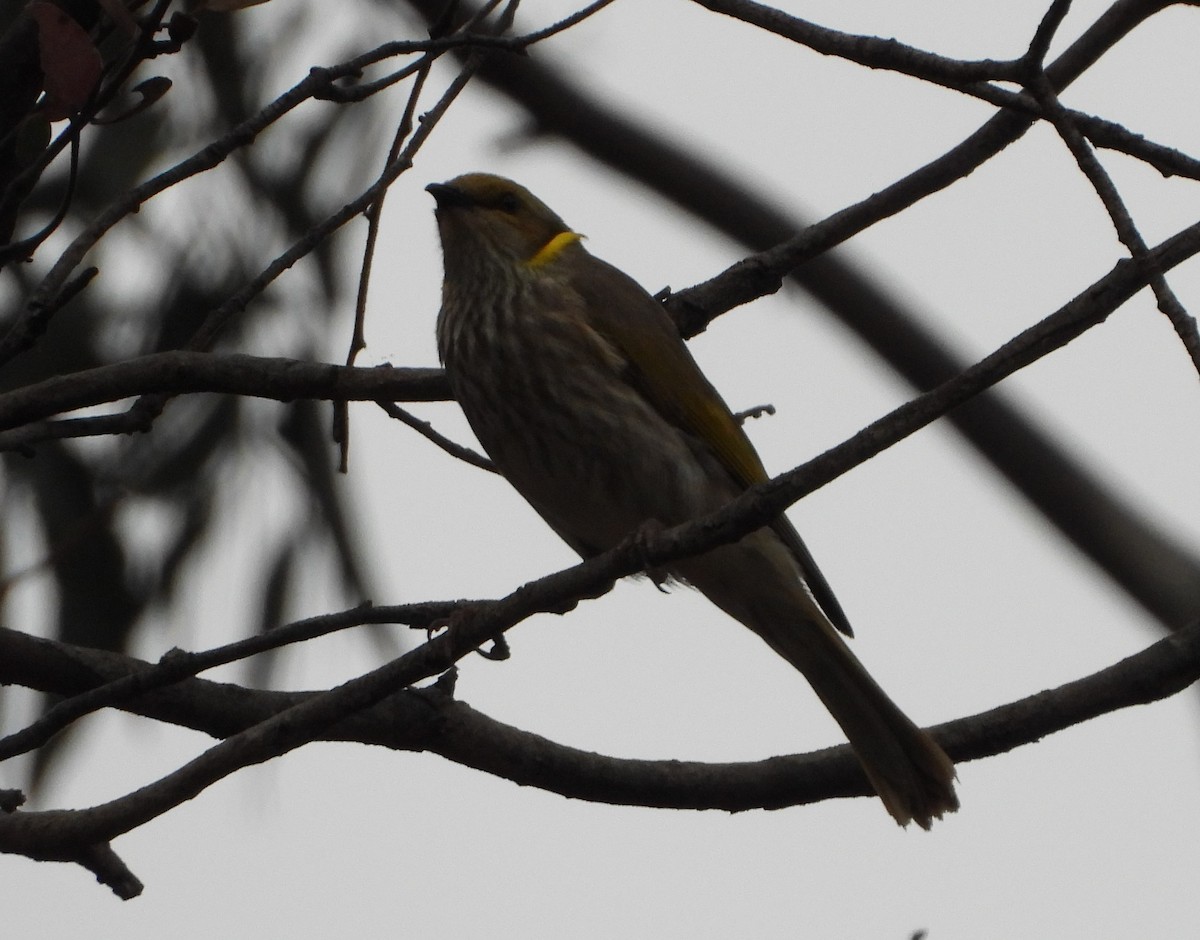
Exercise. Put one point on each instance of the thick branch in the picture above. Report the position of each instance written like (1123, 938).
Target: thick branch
(430, 720)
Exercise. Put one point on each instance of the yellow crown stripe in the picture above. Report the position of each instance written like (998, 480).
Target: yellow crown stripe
(553, 248)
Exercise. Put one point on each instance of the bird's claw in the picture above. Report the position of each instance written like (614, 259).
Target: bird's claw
(639, 541)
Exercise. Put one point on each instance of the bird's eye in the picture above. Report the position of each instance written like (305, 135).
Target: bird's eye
(508, 203)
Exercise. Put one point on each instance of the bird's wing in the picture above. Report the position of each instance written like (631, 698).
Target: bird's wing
(665, 372)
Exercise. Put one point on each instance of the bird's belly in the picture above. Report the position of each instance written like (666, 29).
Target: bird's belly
(595, 460)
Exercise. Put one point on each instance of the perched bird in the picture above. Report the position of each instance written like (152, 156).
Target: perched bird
(581, 391)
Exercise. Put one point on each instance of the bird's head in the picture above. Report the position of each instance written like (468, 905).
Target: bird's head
(485, 220)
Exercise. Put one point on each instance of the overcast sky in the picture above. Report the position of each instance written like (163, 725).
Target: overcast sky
(963, 598)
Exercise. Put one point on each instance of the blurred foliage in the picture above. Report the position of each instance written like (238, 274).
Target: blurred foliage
(103, 535)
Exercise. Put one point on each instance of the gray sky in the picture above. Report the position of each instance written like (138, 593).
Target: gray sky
(962, 597)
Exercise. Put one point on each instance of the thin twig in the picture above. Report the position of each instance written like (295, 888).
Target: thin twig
(974, 78)
(426, 430)
(374, 215)
(1126, 229)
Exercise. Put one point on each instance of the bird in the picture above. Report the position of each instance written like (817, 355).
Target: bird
(580, 389)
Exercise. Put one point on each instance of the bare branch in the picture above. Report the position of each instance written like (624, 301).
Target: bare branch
(970, 78)
(1127, 231)
(426, 430)
(174, 373)
(176, 665)
(871, 51)
(430, 720)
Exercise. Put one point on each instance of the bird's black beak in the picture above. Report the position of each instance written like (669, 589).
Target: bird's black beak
(447, 196)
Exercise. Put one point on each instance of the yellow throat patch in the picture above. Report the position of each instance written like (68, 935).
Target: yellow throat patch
(553, 248)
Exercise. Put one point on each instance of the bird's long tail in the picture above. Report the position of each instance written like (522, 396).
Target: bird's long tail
(757, 582)
(908, 769)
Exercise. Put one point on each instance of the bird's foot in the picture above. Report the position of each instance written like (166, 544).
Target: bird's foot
(639, 541)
